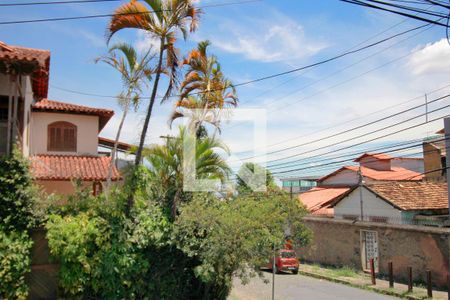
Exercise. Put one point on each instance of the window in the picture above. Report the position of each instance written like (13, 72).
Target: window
(62, 136)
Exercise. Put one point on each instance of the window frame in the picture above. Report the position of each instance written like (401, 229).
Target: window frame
(63, 147)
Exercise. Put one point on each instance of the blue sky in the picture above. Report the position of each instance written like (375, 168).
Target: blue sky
(254, 40)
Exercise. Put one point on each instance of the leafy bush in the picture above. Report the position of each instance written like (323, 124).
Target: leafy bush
(14, 264)
(235, 237)
(103, 254)
(17, 195)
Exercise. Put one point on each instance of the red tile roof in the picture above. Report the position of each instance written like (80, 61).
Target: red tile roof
(108, 143)
(378, 156)
(56, 106)
(62, 167)
(319, 199)
(423, 195)
(395, 174)
(40, 59)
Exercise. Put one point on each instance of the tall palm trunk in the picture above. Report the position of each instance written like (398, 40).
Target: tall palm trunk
(114, 150)
(137, 161)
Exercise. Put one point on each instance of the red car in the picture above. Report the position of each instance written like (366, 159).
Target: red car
(285, 261)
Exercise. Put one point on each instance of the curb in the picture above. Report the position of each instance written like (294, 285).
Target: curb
(364, 287)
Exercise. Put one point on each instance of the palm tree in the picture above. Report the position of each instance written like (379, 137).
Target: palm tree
(135, 73)
(162, 20)
(204, 87)
(166, 166)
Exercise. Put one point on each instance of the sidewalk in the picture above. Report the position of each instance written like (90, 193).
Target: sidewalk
(362, 280)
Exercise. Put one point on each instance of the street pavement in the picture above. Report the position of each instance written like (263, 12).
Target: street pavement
(288, 286)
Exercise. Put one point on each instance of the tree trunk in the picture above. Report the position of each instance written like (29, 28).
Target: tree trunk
(137, 161)
(175, 204)
(114, 150)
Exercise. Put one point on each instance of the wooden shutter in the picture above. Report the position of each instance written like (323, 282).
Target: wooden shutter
(62, 136)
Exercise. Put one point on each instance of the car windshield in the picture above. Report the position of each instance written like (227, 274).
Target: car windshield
(285, 254)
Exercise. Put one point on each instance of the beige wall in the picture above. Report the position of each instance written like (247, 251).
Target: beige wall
(87, 132)
(61, 187)
(338, 243)
(372, 206)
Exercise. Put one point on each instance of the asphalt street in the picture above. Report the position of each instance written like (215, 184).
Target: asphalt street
(288, 286)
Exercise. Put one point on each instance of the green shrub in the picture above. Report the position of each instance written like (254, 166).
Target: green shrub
(14, 264)
(17, 195)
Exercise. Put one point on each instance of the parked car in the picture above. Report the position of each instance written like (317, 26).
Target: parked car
(286, 260)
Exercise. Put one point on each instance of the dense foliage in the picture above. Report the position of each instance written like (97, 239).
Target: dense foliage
(251, 170)
(17, 195)
(14, 263)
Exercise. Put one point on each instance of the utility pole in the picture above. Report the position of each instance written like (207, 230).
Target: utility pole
(361, 193)
(273, 272)
(447, 157)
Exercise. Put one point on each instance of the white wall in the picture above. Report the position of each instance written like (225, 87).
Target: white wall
(87, 132)
(372, 206)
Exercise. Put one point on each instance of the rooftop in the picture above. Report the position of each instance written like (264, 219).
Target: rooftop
(377, 156)
(62, 167)
(319, 199)
(423, 195)
(395, 174)
(47, 105)
(35, 61)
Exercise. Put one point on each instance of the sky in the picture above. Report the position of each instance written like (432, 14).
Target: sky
(257, 39)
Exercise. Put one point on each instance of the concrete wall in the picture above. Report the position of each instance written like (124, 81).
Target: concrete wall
(345, 177)
(376, 164)
(416, 165)
(372, 206)
(432, 161)
(338, 243)
(87, 132)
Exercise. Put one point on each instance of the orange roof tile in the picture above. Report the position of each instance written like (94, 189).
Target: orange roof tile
(56, 106)
(319, 198)
(62, 167)
(395, 174)
(41, 59)
(109, 143)
(421, 195)
(379, 156)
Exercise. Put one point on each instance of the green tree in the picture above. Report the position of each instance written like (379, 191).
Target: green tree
(166, 166)
(135, 73)
(204, 87)
(243, 176)
(236, 237)
(17, 194)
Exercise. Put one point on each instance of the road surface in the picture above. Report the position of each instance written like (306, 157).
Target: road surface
(288, 286)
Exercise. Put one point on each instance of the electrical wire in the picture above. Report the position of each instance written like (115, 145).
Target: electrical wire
(55, 2)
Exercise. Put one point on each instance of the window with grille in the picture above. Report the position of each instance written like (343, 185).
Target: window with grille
(62, 136)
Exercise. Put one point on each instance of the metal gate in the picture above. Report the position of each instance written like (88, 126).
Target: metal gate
(369, 241)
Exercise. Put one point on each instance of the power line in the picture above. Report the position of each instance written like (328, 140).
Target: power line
(380, 137)
(359, 127)
(117, 14)
(347, 122)
(55, 2)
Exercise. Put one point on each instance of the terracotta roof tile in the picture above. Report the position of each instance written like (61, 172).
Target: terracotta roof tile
(319, 198)
(421, 195)
(395, 174)
(62, 167)
(57, 106)
(379, 156)
(41, 58)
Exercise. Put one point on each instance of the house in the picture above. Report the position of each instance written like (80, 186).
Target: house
(60, 139)
(409, 202)
(374, 167)
(298, 184)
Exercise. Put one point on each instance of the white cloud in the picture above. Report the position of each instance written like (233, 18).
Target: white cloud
(432, 58)
(267, 41)
(145, 41)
